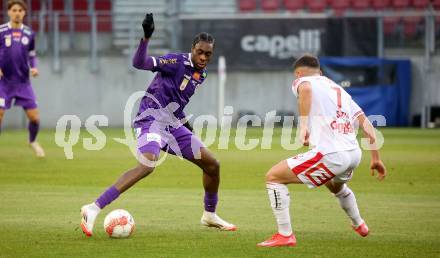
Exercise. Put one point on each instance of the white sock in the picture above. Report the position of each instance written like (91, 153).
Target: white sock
(95, 207)
(347, 200)
(280, 201)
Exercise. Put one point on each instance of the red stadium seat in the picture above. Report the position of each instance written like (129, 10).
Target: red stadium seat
(390, 25)
(105, 22)
(410, 25)
(436, 4)
(270, 5)
(317, 6)
(103, 5)
(247, 5)
(361, 5)
(400, 4)
(58, 5)
(294, 5)
(437, 26)
(36, 5)
(420, 4)
(80, 5)
(340, 6)
(380, 4)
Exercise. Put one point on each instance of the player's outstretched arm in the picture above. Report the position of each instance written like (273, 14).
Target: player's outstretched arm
(376, 162)
(141, 60)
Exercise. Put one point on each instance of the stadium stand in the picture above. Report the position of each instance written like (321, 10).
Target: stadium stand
(361, 5)
(210, 6)
(339, 6)
(411, 25)
(270, 5)
(420, 4)
(390, 25)
(400, 4)
(128, 11)
(380, 4)
(294, 5)
(247, 5)
(316, 6)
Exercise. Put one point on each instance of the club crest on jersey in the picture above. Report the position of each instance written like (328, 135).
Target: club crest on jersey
(185, 82)
(25, 40)
(196, 76)
(8, 40)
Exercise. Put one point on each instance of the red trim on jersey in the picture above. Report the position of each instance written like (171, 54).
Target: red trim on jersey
(360, 112)
(307, 164)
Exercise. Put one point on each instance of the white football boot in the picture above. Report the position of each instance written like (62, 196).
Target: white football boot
(38, 150)
(89, 212)
(210, 219)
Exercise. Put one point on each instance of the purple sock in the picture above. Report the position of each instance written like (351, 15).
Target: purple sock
(211, 200)
(107, 197)
(33, 130)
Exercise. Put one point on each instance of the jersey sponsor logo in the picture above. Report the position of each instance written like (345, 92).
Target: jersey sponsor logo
(163, 61)
(25, 40)
(8, 40)
(153, 137)
(281, 47)
(343, 127)
(16, 34)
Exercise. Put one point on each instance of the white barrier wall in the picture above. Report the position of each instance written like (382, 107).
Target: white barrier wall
(77, 91)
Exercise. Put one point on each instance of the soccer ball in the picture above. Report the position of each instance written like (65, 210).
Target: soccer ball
(119, 224)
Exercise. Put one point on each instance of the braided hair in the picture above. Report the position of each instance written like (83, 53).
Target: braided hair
(205, 37)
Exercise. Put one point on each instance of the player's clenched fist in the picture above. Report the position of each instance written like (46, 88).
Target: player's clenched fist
(148, 25)
(1, 73)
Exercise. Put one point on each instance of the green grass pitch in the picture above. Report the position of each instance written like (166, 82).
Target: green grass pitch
(40, 202)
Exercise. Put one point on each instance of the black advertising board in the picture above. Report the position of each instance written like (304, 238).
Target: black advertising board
(275, 43)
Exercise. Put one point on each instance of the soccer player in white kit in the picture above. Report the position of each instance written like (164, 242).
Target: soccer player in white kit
(328, 118)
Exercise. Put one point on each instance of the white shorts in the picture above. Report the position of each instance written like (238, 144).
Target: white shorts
(315, 169)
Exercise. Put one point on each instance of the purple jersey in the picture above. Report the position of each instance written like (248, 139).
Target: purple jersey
(175, 82)
(17, 53)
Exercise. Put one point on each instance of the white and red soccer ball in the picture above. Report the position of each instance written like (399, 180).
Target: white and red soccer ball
(119, 224)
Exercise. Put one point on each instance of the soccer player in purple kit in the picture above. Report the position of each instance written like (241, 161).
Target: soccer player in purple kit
(17, 54)
(177, 78)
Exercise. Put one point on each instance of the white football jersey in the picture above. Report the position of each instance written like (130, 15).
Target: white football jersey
(332, 115)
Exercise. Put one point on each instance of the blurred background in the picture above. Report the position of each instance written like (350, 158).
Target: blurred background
(385, 52)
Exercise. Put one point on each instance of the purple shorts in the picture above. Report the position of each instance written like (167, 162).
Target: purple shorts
(177, 141)
(23, 94)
